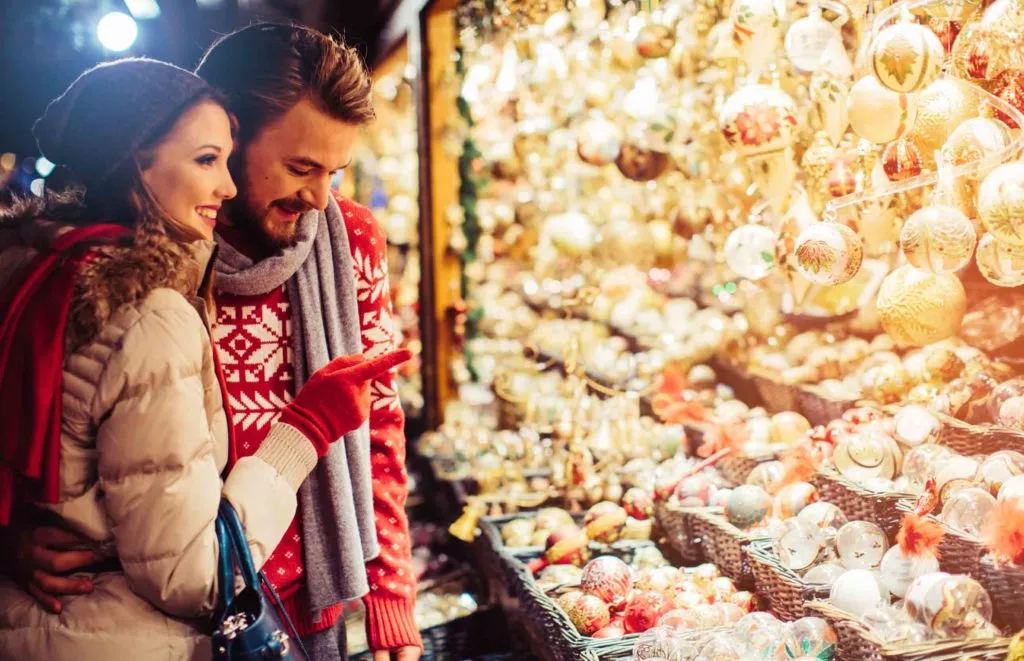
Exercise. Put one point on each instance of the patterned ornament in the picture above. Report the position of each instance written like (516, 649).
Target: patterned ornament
(654, 40)
(1001, 203)
(598, 141)
(901, 160)
(607, 578)
(644, 609)
(565, 546)
(750, 251)
(792, 498)
(807, 39)
(811, 638)
(1000, 263)
(917, 307)
(941, 107)
(829, 110)
(588, 614)
(756, 29)
(757, 119)
(1008, 86)
(878, 114)
(552, 518)
(748, 506)
(938, 238)
(906, 57)
(828, 253)
(638, 504)
(975, 140)
(604, 522)
(841, 180)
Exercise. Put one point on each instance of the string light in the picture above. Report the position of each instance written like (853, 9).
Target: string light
(37, 186)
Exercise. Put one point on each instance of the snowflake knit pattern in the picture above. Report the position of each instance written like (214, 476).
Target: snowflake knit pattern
(253, 339)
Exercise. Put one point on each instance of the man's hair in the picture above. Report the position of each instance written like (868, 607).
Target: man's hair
(266, 68)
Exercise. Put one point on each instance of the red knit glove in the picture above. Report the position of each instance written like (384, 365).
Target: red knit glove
(336, 399)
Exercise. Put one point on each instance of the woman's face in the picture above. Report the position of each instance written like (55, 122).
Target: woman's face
(188, 170)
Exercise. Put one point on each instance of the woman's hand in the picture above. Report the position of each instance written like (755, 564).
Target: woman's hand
(42, 555)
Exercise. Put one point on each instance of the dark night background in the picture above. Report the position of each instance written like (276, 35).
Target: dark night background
(47, 43)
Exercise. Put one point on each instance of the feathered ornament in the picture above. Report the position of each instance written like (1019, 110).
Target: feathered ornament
(798, 466)
(670, 405)
(920, 536)
(721, 436)
(1003, 532)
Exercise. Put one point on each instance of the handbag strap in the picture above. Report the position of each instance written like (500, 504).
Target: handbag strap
(225, 566)
(235, 550)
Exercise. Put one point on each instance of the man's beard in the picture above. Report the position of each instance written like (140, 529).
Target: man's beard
(259, 226)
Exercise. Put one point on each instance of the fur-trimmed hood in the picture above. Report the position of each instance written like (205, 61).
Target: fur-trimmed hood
(115, 275)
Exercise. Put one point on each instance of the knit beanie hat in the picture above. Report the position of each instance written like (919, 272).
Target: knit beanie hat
(110, 111)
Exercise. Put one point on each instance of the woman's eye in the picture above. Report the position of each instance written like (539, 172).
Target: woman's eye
(208, 159)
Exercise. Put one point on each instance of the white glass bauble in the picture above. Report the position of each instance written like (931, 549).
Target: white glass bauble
(916, 425)
(1013, 489)
(861, 545)
(807, 39)
(811, 637)
(967, 509)
(877, 114)
(938, 238)
(825, 574)
(750, 251)
(1000, 263)
(898, 570)
(828, 253)
(857, 592)
(798, 544)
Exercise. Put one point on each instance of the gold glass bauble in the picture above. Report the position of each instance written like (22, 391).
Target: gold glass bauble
(901, 160)
(758, 119)
(917, 307)
(1000, 263)
(828, 253)
(1001, 203)
(906, 57)
(625, 241)
(987, 47)
(938, 238)
(941, 107)
(974, 140)
(655, 40)
(879, 114)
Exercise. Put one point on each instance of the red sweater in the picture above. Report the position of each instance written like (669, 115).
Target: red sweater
(253, 339)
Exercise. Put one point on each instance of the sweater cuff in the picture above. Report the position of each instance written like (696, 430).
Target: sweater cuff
(390, 624)
(289, 452)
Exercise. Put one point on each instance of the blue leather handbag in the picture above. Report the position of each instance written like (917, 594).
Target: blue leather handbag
(248, 626)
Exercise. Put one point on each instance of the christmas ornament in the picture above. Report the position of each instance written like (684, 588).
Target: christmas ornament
(858, 592)
(862, 457)
(826, 516)
(747, 506)
(750, 251)
(1011, 413)
(952, 605)
(913, 556)
(967, 509)
(566, 546)
(824, 574)
(975, 140)
(941, 107)
(643, 610)
(811, 637)
(879, 114)
(917, 307)
(798, 543)
(828, 253)
(680, 619)
(655, 40)
(756, 30)
(588, 614)
(829, 110)
(608, 578)
(901, 160)
(842, 180)
(1001, 203)
(999, 467)
(638, 503)
(938, 238)
(906, 57)
(807, 39)
(1000, 263)
(653, 579)
(552, 518)
(861, 545)
(1008, 86)
(598, 141)
(572, 233)
(641, 163)
(915, 425)
(793, 498)
(757, 119)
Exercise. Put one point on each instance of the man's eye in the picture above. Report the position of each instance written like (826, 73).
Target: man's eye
(297, 172)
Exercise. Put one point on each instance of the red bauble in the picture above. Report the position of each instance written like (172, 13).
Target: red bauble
(610, 631)
(638, 504)
(567, 546)
(694, 491)
(607, 578)
(604, 522)
(643, 611)
(841, 181)
(1009, 86)
(588, 614)
(901, 160)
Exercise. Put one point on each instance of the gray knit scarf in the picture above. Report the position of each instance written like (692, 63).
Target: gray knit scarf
(336, 500)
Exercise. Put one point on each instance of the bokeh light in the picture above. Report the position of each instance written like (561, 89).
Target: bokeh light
(117, 31)
(44, 166)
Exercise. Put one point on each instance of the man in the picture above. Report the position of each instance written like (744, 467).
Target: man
(301, 277)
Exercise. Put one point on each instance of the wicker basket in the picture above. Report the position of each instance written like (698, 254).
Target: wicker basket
(959, 553)
(735, 468)
(675, 523)
(724, 544)
(857, 643)
(1005, 585)
(859, 504)
(777, 397)
(780, 589)
(736, 378)
(819, 408)
(968, 439)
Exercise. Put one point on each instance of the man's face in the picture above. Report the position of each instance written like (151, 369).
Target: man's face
(286, 170)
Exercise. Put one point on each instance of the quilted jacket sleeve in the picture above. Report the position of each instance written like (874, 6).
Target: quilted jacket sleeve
(158, 461)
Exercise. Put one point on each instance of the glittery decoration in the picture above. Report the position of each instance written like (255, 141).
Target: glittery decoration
(906, 57)
(917, 307)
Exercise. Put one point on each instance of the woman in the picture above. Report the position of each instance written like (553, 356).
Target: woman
(114, 423)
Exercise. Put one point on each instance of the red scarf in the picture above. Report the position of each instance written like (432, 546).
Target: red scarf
(32, 366)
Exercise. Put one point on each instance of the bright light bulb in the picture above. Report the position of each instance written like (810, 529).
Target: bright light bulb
(117, 31)
(143, 9)
(44, 166)
(37, 186)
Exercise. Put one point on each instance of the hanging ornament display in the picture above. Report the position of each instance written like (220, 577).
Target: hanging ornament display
(901, 160)
(938, 238)
(879, 114)
(1001, 203)
(750, 251)
(807, 39)
(918, 307)
(1008, 86)
(906, 57)
(828, 253)
(941, 107)
(758, 119)
(974, 140)
(1000, 263)
(829, 110)
(756, 30)
(598, 141)
(655, 40)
